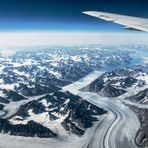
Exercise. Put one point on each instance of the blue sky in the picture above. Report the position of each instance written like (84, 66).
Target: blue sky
(65, 15)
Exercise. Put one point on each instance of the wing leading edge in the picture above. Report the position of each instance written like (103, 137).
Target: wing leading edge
(132, 23)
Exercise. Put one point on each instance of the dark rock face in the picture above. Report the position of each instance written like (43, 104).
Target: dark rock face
(141, 138)
(3, 100)
(46, 81)
(12, 96)
(36, 90)
(95, 86)
(126, 82)
(141, 97)
(81, 116)
(111, 91)
(36, 107)
(31, 129)
(1, 107)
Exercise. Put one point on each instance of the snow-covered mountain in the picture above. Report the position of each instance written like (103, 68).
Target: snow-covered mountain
(32, 102)
(141, 97)
(59, 66)
(51, 115)
(118, 82)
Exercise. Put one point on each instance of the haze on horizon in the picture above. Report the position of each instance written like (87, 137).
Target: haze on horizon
(12, 39)
(61, 22)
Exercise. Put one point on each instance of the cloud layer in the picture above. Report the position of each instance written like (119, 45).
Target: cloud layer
(8, 39)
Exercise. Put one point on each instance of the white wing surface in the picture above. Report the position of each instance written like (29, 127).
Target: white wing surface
(132, 23)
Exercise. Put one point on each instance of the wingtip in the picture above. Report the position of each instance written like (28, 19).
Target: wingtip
(87, 12)
(92, 13)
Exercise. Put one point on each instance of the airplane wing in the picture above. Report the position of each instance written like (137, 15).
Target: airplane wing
(132, 23)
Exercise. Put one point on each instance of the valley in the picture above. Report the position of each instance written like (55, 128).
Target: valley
(80, 98)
